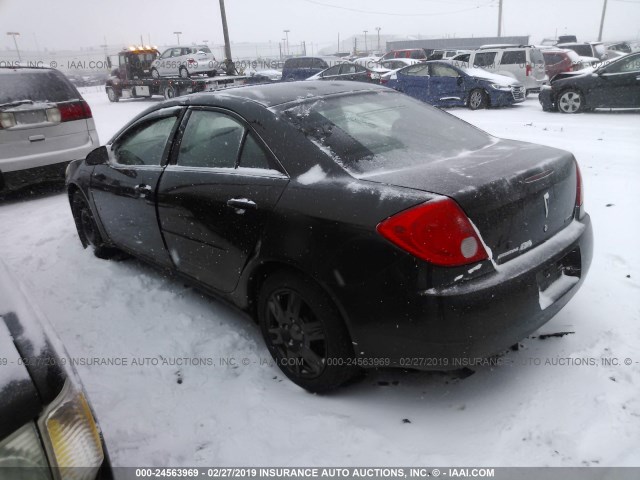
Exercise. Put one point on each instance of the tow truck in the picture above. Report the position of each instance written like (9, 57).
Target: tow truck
(131, 78)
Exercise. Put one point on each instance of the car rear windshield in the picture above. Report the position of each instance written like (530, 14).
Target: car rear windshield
(369, 133)
(37, 86)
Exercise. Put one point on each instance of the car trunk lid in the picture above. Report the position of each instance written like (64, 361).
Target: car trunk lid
(517, 195)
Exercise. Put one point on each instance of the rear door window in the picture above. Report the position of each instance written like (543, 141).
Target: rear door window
(439, 70)
(484, 59)
(253, 155)
(332, 71)
(418, 70)
(515, 57)
(318, 63)
(211, 140)
(347, 68)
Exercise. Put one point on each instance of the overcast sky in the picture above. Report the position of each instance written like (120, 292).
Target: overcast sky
(59, 24)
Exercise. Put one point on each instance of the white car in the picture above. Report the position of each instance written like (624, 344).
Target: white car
(184, 62)
(44, 124)
(524, 63)
(397, 63)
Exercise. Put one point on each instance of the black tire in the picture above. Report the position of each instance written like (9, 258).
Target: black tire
(88, 230)
(154, 73)
(305, 333)
(112, 95)
(213, 73)
(570, 101)
(183, 72)
(169, 92)
(477, 99)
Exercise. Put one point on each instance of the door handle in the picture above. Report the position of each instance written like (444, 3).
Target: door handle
(142, 190)
(242, 203)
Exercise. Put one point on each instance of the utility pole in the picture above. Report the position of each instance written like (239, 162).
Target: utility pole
(177, 34)
(338, 42)
(604, 11)
(15, 42)
(500, 19)
(286, 32)
(366, 49)
(378, 29)
(230, 68)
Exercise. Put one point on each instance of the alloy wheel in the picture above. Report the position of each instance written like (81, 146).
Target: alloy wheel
(296, 335)
(570, 102)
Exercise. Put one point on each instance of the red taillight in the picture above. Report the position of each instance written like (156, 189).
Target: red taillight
(579, 187)
(74, 111)
(437, 231)
(529, 69)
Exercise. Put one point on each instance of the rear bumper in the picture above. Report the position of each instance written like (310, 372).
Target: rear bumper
(12, 181)
(51, 156)
(444, 328)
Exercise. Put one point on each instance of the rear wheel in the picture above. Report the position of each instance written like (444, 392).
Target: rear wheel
(477, 99)
(305, 333)
(88, 230)
(113, 96)
(212, 73)
(169, 92)
(571, 101)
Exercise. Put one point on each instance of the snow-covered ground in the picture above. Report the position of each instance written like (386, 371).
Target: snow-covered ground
(514, 415)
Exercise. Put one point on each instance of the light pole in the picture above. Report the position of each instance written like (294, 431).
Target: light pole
(286, 32)
(15, 42)
(604, 11)
(378, 29)
(366, 48)
(177, 34)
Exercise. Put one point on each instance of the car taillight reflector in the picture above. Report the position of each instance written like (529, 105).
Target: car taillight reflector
(438, 232)
(528, 69)
(579, 187)
(7, 120)
(74, 111)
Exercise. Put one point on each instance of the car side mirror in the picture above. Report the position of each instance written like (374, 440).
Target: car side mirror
(99, 156)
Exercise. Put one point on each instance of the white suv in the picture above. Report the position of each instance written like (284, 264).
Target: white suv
(185, 61)
(523, 63)
(44, 124)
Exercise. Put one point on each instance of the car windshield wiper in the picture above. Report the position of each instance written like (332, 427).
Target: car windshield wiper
(15, 104)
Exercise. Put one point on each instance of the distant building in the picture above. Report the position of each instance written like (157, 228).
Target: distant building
(455, 43)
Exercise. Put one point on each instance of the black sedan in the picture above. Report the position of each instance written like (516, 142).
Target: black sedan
(613, 84)
(46, 424)
(359, 226)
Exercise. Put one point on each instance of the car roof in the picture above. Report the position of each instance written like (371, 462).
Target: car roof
(272, 94)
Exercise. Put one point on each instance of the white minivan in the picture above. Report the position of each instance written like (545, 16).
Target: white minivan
(521, 62)
(44, 124)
